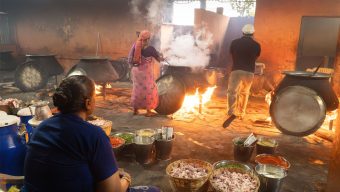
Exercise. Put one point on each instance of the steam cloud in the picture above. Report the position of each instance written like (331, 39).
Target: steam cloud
(188, 50)
(182, 50)
(153, 9)
(134, 7)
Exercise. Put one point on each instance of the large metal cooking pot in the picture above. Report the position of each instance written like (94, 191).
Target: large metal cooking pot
(171, 93)
(300, 102)
(174, 84)
(318, 82)
(97, 68)
(34, 73)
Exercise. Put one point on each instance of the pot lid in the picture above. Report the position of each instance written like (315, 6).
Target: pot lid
(8, 120)
(307, 74)
(3, 113)
(297, 110)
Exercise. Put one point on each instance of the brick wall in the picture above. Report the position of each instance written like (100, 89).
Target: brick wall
(277, 25)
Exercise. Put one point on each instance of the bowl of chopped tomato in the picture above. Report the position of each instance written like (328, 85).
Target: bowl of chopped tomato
(117, 144)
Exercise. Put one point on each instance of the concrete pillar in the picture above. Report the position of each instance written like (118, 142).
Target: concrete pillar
(203, 4)
(333, 181)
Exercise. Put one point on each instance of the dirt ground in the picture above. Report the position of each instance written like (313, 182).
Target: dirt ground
(201, 136)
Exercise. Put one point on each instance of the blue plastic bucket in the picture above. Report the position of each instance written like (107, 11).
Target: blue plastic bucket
(12, 147)
(24, 120)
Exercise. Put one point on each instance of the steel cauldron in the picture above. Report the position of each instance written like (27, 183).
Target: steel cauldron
(300, 102)
(177, 81)
(12, 147)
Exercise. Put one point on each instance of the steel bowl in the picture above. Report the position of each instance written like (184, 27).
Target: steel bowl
(117, 149)
(128, 146)
(121, 135)
(271, 177)
(146, 133)
(144, 149)
(232, 164)
(262, 148)
(272, 160)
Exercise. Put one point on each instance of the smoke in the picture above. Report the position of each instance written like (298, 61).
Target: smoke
(151, 11)
(188, 50)
(134, 7)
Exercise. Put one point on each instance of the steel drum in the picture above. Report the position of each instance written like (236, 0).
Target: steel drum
(297, 110)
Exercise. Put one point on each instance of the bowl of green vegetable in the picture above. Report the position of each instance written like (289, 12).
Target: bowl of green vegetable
(128, 137)
(232, 164)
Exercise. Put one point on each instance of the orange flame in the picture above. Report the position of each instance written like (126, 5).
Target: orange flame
(328, 122)
(98, 89)
(192, 103)
(108, 86)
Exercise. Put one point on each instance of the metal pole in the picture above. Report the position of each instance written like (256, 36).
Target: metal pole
(97, 44)
(203, 4)
(104, 91)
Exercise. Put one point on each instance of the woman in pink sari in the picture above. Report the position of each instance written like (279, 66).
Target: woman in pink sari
(144, 91)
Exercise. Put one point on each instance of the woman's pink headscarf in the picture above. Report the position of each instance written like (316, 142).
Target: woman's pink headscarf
(137, 56)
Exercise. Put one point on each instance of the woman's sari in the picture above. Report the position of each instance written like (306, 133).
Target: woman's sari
(144, 91)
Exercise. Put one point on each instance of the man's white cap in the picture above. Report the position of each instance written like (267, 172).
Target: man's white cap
(248, 29)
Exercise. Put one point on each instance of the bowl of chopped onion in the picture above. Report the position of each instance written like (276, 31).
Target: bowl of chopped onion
(189, 175)
(228, 179)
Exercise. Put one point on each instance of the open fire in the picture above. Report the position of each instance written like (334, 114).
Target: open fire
(99, 88)
(195, 104)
